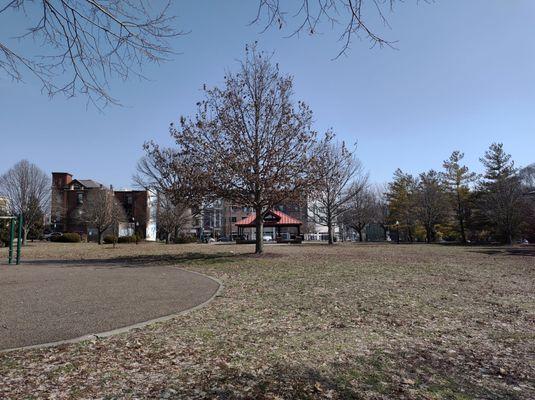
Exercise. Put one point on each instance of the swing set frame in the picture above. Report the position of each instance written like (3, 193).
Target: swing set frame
(14, 220)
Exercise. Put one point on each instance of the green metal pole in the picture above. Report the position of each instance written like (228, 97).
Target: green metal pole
(11, 238)
(19, 239)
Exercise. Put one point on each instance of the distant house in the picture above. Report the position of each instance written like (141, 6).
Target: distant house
(68, 196)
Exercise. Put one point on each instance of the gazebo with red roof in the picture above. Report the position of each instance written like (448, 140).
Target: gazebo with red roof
(282, 223)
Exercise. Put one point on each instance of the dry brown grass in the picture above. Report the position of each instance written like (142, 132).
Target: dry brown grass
(310, 321)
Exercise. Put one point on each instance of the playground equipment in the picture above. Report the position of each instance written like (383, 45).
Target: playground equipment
(14, 220)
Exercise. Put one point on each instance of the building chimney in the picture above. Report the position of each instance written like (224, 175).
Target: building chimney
(61, 179)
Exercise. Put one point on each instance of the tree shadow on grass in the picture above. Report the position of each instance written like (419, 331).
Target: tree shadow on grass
(525, 251)
(145, 260)
(375, 376)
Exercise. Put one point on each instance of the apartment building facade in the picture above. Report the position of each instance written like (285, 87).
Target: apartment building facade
(69, 195)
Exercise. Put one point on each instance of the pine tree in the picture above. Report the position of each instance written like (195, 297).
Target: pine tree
(501, 198)
(431, 203)
(401, 203)
(458, 178)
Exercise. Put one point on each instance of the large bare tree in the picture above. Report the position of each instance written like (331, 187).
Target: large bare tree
(27, 189)
(253, 143)
(341, 179)
(85, 43)
(102, 211)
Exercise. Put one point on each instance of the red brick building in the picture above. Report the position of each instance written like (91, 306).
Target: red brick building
(68, 195)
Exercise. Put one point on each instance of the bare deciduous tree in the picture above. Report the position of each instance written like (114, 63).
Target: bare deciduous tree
(527, 175)
(85, 43)
(360, 211)
(102, 211)
(341, 179)
(355, 17)
(172, 176)
(28, 190)
(172, 218)
(255, 146)
(380, 207)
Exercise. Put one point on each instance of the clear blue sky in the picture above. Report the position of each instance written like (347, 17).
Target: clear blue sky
(463, 76)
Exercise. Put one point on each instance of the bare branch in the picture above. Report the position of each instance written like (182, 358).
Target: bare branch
(87, 42)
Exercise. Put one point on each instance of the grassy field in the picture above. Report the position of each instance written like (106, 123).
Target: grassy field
(311, 321)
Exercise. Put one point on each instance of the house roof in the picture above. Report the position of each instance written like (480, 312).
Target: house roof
(278, 219)
(88, 183)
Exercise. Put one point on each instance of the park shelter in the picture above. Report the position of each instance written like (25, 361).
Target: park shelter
(276, 224)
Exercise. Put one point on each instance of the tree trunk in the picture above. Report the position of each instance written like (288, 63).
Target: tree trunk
(330, 232)
(463, 233)
(360, 235)
(385, 232)
(168, 238)
(99, 237)
(259, 245)
(24, 235)
(461, 219)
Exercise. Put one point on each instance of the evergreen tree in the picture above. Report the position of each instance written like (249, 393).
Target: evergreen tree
(458, 178)
(401, 203)
(501, 193)
(432, 203)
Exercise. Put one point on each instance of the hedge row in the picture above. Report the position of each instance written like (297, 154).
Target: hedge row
(109, 239)
(66, 238)
(185, 239)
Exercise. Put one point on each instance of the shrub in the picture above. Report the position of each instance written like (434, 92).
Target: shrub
(109, 239)
(181, 239)
(66, 238)
(128, 239)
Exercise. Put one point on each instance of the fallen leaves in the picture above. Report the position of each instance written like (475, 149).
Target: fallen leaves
(347, 321)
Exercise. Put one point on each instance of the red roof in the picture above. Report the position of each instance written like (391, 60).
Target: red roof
(280, 219)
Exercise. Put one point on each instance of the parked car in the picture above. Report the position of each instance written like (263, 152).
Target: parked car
(225, 239)
(49, 236)
(267, 238)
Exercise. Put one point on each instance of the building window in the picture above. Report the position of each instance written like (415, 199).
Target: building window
(80, 198)
(129, 199)
(233, 219)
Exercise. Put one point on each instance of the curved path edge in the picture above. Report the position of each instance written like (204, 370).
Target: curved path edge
(128, 328)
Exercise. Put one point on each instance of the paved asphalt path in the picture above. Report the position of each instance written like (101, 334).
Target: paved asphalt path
(41, 303)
